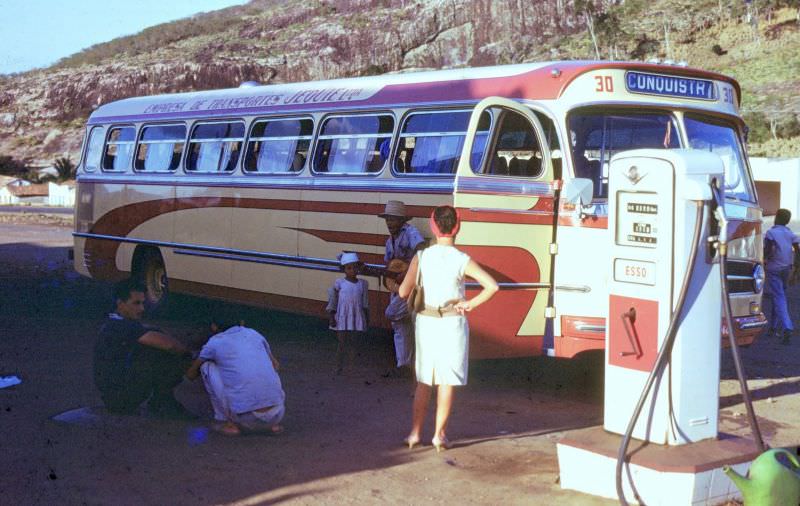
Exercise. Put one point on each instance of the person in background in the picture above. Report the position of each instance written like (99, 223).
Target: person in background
(348, 307)
(781, 249)
(403, 243)
(134, 363)
(442, 331)
(240, 375)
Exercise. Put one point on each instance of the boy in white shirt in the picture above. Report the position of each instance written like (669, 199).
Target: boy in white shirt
(240, 376)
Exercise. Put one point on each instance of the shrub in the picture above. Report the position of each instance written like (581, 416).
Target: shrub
(65, 168)
(10, 166)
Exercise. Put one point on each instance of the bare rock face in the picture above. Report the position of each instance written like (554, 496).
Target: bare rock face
(275, 42)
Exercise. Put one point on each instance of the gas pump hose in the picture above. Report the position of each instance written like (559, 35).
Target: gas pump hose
(663, 355)
(737, 361)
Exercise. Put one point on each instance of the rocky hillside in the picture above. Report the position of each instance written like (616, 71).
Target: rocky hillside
(42, 111)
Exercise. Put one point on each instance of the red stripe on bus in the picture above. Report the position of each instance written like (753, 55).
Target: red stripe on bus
(121, 221)
(346, 237)
(590, 221)
(494, 326)
(468, 215)
(361, 208)
(741, 229)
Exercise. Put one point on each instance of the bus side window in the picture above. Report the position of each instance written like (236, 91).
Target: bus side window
(160, 148)
(514, 147)
(94, 150)
(352, 144)
(278, 146)
(215, 147)
(431, 142)
(118, 154)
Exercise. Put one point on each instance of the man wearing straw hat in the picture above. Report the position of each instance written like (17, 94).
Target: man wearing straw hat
(403, 243)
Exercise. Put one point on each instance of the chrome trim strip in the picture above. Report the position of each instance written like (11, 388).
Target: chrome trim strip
(233, 254)
(586, 327)
(298, 261)
(753, 325)
(268, 261)
(328, 182)
(512, 286)
(495, 185)
(574, 288)
(531, 286)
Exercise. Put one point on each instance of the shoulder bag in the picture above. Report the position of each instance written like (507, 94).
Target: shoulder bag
(416, 299)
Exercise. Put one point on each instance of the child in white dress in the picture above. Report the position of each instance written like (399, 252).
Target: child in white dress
(348, 307)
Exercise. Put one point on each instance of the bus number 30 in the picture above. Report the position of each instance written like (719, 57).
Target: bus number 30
(604, 84)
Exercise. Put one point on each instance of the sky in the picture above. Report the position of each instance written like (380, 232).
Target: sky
(37, 33)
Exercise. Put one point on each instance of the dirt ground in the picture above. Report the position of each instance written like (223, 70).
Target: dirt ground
(343, 442)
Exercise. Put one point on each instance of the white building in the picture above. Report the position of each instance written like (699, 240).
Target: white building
(777, 184)
(23, 194)
(7, 197)
(61, 194)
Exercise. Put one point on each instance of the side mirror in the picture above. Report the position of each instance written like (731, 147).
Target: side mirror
(578, 191)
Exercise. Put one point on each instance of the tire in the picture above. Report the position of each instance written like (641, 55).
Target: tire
(152, 273)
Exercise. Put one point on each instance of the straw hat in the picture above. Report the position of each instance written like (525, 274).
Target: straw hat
(394, 208)
(348, 258)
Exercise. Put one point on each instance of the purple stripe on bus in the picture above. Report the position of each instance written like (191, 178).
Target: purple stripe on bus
(415, 94)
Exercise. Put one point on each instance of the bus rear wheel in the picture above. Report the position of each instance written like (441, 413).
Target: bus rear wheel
(152, 273)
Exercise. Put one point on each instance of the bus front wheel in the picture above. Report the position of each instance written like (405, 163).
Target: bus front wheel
(152, 273)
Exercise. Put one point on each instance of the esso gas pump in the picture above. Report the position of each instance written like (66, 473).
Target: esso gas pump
(668, 237)
(660, 261)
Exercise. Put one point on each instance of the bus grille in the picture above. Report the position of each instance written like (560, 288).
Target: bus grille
(740, 276)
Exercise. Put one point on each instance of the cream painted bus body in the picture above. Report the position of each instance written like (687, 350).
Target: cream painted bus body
(271, 239)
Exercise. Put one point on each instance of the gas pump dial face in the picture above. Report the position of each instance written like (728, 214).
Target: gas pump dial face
(637, 223)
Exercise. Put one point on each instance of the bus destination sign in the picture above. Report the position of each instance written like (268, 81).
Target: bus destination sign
(670, 86)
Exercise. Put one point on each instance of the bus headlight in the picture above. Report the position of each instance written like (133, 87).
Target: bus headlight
(758, 278)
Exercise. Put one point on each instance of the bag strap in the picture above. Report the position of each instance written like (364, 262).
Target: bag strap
(419, 268)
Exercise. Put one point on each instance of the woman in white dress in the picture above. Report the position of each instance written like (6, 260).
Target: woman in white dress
(442, 332)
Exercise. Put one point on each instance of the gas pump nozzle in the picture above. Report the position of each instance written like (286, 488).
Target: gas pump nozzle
(721, 239)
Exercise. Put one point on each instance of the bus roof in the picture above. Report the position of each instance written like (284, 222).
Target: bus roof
(531, 81)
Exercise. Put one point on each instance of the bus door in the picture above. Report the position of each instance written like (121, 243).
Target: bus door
(504, 192)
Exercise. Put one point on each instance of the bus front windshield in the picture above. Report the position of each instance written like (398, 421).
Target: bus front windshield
(721, 138)
(596, 136)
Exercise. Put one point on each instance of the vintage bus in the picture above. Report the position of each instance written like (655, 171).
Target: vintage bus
(248, 194)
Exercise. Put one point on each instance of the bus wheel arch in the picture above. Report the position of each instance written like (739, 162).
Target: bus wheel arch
(149, 269)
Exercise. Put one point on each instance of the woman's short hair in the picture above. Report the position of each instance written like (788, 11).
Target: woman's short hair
(445, 218)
